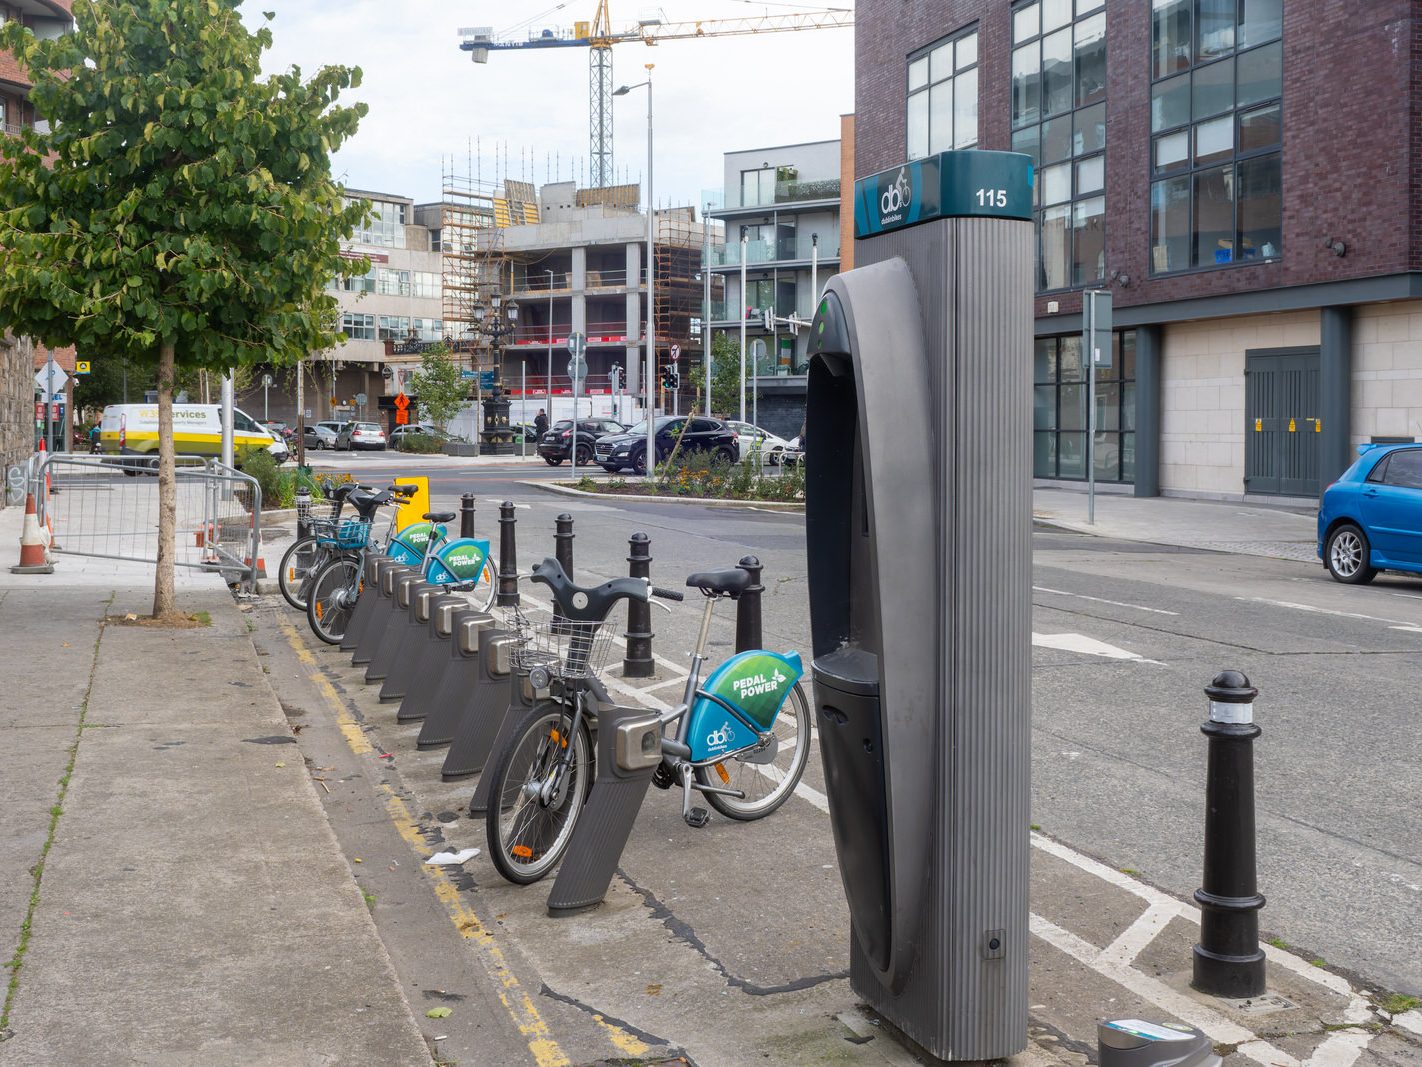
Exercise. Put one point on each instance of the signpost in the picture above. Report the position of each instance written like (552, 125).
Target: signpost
(402, 409)
(676, 392)
(50, 378)
(266, 384)
(578, 371)
(1096, 345)
(81, 366)
(361, 399)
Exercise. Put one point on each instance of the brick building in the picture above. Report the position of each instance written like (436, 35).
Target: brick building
(18, 356)
(1240, 174)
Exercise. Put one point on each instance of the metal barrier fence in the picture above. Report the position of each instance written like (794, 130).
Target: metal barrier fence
(107, 507)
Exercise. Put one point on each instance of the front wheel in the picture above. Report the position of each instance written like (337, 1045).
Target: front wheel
(639, 463)
(541, 779)
(553, 461)
(585, 455)
(331, 599)
(766, 775)
(297, 565)
(1346, 555)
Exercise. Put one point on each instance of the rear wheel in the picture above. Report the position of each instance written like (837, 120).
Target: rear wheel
(540, 781)
(1346, 555)
(768, 775)
(297, 564)
(585, 455)
(553, 461)
(332, 599)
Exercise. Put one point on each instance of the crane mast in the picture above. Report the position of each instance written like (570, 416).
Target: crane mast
(598, 37)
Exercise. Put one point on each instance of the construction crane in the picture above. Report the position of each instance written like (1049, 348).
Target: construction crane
(598, 36)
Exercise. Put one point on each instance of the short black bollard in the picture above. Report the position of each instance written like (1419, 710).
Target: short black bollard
(303, 512)
(1228, 960)
(638, 661)
(508, 556)
(563, 543)
(748, 629)
(466, 515)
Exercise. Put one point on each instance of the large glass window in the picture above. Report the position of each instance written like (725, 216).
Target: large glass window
(385, 227)
(1060, 400)
(394, 328)
(943, 95)
(1216, 133)
(1059, 119)
(358, 327)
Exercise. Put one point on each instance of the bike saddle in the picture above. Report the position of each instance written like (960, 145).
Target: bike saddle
(405, 490)
(365, 501)
(581, 604)
(731, 582)
(440, 516)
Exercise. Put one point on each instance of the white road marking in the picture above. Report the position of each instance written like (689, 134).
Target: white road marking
(1124, 950)
(1103, 600)
(1312, 609)
(1087, 646)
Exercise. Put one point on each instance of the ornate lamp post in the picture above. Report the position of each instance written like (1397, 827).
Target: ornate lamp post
(493, 321)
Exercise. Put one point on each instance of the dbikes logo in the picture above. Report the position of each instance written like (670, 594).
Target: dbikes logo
(719, 738)
(758, 684)
(897, 198)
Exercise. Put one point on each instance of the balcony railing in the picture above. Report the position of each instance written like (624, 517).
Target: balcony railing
(784, 193)
(536, 281)
(790, 249)
(596, 333)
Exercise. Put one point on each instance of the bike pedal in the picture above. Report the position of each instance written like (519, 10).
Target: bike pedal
(697, 818)
(662, 778)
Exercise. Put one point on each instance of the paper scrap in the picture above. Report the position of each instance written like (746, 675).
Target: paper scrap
(452, 859)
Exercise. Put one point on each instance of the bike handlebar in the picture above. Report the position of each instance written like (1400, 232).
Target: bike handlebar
(580, 604)
(668, 594)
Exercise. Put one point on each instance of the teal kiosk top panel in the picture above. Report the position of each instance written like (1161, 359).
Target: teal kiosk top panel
(967, 184)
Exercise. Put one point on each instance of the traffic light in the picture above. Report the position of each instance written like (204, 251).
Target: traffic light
(670, 378)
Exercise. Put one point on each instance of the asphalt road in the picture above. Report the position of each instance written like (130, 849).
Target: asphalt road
(1126, 637)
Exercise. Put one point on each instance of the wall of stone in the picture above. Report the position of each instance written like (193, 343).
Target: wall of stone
(17, 402)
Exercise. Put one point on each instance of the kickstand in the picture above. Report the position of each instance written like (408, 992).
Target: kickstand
(696, 818)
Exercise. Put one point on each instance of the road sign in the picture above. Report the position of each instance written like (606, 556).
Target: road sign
(578, 369)
(401, 401)
(577, 344)
(675, 352)
(361, 398)
(51, 376)
(266, 378)
(81, 366)
(402, 418)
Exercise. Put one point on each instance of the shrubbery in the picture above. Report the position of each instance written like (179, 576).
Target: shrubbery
(421, 444)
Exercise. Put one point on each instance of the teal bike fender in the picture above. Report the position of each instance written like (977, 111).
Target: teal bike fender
(755, 684)
(408, 544)
(461, 560)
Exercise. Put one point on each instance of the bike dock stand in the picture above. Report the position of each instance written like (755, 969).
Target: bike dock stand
(486, 710)
(521, 698)
(629, 748)
(468, 629)
(406, 587)
(365, 605)
(412, 642)
(432, 658)
(381, 608)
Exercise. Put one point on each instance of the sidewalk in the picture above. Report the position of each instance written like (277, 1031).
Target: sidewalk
(170, 889)
(1222, 526)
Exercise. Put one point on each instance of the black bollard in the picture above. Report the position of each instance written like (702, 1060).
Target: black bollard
(303, 512)
(563, 543)
(638, 661)
(466, 515)
(748, 630)
(1228, 960)
(508, 556)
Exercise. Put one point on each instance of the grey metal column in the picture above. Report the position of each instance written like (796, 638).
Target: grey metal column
(1335, 392)
(1149, 357)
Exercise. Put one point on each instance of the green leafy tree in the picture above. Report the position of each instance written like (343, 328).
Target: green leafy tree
(180, 213)
(725, 376)
(438, 385)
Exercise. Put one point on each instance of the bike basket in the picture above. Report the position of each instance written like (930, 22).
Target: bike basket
(309, 510)
(350, 533)
(566, 648)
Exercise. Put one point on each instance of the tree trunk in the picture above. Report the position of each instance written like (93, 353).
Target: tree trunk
(165, 605)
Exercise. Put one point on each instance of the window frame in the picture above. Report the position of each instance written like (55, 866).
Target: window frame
(1125, 421)
(1191, 169)
(971, 29)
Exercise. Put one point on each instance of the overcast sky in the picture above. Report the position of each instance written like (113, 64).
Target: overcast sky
(429, 102)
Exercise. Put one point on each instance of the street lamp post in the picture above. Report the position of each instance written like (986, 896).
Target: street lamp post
(494, 322)
(651, 359)
(549, 389)
(745, 245)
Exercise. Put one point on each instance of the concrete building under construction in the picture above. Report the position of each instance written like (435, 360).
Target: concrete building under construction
(571, 261)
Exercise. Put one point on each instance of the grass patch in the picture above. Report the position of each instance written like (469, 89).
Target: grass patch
(1278, 942)
(16, 962)
(369, 899)
(202, 618)
(1319, 962)
(1129, 870)
(1398, 1003)
(1035, 828)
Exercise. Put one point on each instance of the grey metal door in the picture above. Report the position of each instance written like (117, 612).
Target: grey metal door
(1282, 428)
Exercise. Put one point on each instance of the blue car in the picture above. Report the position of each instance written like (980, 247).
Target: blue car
(1371, 518)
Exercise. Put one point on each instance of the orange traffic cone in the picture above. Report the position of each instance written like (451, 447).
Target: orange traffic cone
(33, 558)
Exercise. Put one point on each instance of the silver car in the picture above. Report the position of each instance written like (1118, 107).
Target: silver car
(355, 435)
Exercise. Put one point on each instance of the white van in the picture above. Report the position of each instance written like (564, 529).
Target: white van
(132, 430)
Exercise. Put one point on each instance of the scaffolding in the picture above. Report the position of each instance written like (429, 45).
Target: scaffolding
(677, 259)
(471, 260)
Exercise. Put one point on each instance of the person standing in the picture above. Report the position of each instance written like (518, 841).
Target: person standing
(540, 424)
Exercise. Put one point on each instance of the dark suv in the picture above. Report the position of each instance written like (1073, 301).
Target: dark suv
(629, 449)
(556, 445)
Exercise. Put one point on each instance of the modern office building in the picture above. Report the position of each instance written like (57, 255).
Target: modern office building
(1239, 174)
(781, 210)
(19, 358)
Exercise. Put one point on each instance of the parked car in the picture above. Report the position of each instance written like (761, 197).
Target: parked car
(319, 436)
(793, 453)
(753, 438)
(1371, 517)
(354, 435)
(279, 450)
(281, 429)
(400, 433)
(557, 443)
(629, 449)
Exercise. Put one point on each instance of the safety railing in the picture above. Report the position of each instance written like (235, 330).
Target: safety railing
(107, 507)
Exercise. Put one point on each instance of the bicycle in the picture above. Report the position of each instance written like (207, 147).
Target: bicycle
(306, 555)
(742, 719)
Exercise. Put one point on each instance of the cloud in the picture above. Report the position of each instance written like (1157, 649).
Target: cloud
(430, 105)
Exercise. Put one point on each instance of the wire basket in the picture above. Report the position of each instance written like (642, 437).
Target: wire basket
(346, 534)
(565, 648)
(311, 510)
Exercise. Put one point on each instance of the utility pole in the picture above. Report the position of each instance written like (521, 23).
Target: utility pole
(744, 247)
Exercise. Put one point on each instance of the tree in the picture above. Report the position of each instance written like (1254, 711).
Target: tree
(179, 212)
(725, 376)
(438, 385)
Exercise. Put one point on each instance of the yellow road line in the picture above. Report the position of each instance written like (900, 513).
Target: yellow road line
(515, 1000)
